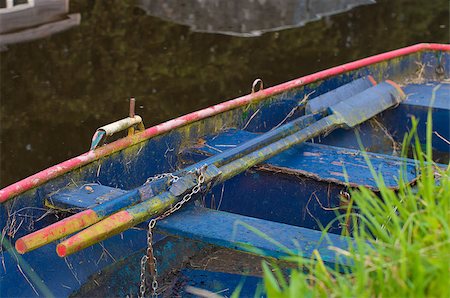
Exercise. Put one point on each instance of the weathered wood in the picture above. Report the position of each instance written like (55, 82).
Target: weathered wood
(232, 231)
(321, 162)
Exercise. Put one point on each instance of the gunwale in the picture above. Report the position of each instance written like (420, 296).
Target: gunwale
(91, 156)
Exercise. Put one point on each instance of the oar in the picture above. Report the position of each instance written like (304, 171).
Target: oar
(88, 217)
(347, 114)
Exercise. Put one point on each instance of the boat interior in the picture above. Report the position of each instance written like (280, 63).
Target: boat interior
(275, 208)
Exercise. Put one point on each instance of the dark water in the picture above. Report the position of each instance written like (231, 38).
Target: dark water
(56, 91)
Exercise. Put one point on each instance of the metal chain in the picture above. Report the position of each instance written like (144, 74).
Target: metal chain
(173, 177)
(149, 258)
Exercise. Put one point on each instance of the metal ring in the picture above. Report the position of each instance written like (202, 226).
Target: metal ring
(255, 83)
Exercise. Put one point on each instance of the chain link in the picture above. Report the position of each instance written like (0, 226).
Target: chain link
(150, 259)
(173, 177)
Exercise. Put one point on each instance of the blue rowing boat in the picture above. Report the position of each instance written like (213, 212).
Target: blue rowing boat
(190, 207)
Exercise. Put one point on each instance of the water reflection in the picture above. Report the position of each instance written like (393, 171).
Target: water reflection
(27, 20)
(56, 91)
(246, 17)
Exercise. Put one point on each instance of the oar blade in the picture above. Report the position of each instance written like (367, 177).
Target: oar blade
(365, 105)
(324, 101)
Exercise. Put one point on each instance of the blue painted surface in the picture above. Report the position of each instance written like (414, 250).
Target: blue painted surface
(424, 94)
(397, 122)
(262, 140)
(319, 161)
(420, 98)
(64, 276)
(130, 168)
(122, 277)
(86, 196)
(229, 230)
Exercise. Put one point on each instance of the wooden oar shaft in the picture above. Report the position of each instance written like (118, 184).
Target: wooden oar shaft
(262, 140)
(237, 166)
(113, 225)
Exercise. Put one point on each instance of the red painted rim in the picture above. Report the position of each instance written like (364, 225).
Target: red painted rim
(88, 157)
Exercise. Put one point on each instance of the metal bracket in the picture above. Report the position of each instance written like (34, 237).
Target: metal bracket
(133, 123)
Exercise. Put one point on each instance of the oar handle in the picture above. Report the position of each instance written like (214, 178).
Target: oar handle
(56, 231)
(112, 225)
(134, 215)
(86, 218)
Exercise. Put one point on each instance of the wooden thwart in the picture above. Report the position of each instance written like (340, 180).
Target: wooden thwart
(251, 234)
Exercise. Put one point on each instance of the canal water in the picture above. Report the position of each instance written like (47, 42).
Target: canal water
(180, 57)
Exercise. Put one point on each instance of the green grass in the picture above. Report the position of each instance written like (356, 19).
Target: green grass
(401, 244)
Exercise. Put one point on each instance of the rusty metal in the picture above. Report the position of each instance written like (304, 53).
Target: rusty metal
(132, 107)
(132, 114)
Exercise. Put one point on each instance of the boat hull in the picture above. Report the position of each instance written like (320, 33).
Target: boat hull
(297, 197)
